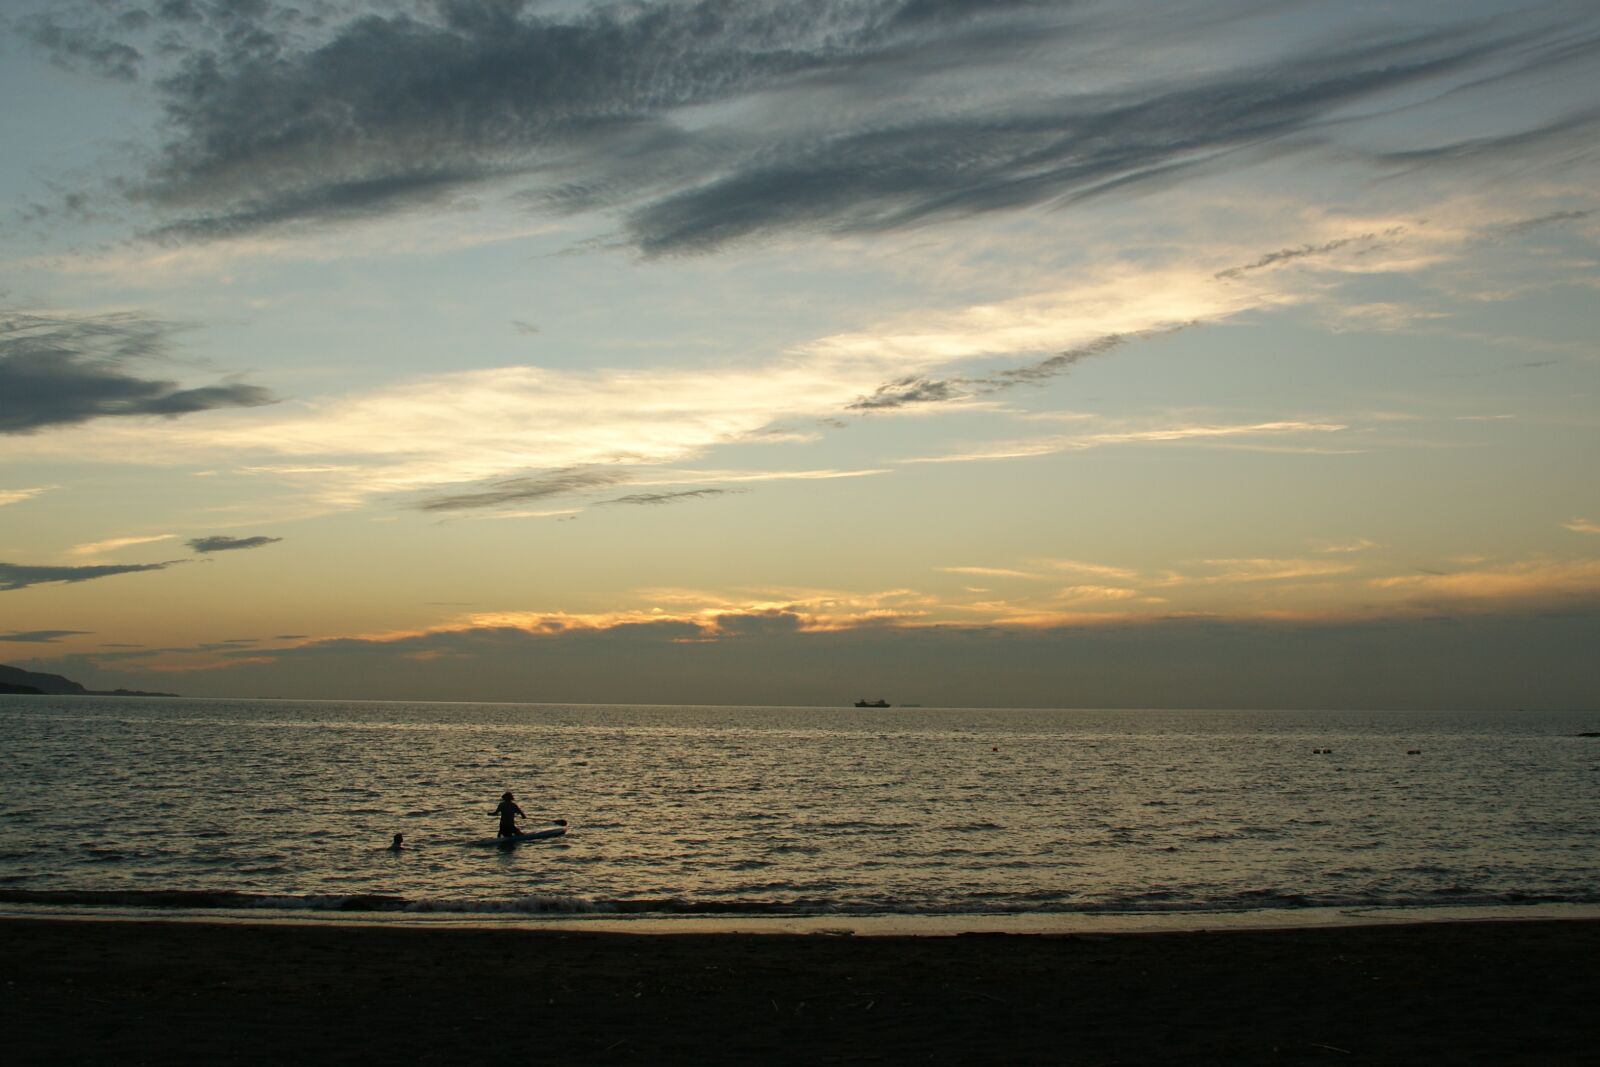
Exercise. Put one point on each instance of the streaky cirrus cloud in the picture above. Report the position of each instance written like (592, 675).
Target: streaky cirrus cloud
(704, 122)
(905, 392)
(1099, 570)
(17, 496)
(1359, 544)
(1534, 579)
(989, 572)
(480, 440)
(1229, 571)
(554, 484)
(1182, 433)
(95, 548)
(1521, 226)
(1090, 593)
(1584, 526)
(1284, 255)
(1569, 135)
(580, 429)
(61, 370)
(41, 637)
(530, 487)
(15, 576)
(653, 499)
(220, 543)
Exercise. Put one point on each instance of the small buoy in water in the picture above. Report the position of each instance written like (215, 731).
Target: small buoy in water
(995, 748)
(1413, 751)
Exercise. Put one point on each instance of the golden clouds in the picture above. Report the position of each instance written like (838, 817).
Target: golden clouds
(1494, 586)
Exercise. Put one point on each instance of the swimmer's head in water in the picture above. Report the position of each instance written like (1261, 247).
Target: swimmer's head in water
(507, 796)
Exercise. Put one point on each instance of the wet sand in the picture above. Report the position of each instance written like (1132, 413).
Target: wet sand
(153, 992)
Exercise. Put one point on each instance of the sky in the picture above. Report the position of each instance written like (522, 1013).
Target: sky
(958, 352)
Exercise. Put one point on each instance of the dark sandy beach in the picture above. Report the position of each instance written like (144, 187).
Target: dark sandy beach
(1443, 993)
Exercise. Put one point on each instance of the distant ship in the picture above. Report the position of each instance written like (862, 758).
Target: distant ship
(872, 704)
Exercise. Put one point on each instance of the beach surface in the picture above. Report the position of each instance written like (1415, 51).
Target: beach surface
(169, 992)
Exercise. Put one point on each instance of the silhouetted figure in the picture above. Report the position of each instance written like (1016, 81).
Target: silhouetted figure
(509, 814)
(398, 844)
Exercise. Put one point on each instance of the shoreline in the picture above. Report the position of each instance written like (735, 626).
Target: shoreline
(1459, 992)
(1043, 924)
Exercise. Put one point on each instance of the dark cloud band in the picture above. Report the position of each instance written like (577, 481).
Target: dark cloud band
(562, 482)
(275, 118)
(15, 576)
(41, 637)
(650, 499)
(905, 392)
(60, 371)
(229, 544)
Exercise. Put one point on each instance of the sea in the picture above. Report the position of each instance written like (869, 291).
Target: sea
(141, 805)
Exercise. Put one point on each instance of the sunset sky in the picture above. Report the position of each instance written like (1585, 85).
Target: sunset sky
(995, 352)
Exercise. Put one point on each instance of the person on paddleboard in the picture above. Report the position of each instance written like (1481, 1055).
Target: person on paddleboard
(509, 814)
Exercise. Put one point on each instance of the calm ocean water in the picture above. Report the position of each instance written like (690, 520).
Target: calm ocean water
(791, 811)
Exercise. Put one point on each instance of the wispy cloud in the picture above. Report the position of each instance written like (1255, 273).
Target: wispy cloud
(1263, 570)
(483, 441)
(1517, 227)
(1359, 544)
(1090, 593)
(1493, 585)
(1100, 570)
(667, 476)
(1285, 255)
(1378, 316)
(495, 497)
(469, 440)
(820, 609)
(1565, 134)
(17, 496)
(1583, 526)
(519, 490)
(988, 572)
(529, 513)
(41, 637)
(96, 548)
(653, 499)
(906, 391)
(1180, 434)
(229, 544)
(63, 370)
(915, 390)
(680, 616)
(15, 576)
(705, 123)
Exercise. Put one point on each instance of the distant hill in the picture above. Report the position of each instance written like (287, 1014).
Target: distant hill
(17, 680)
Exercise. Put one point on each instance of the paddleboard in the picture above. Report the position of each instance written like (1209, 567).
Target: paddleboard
(533, 835)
